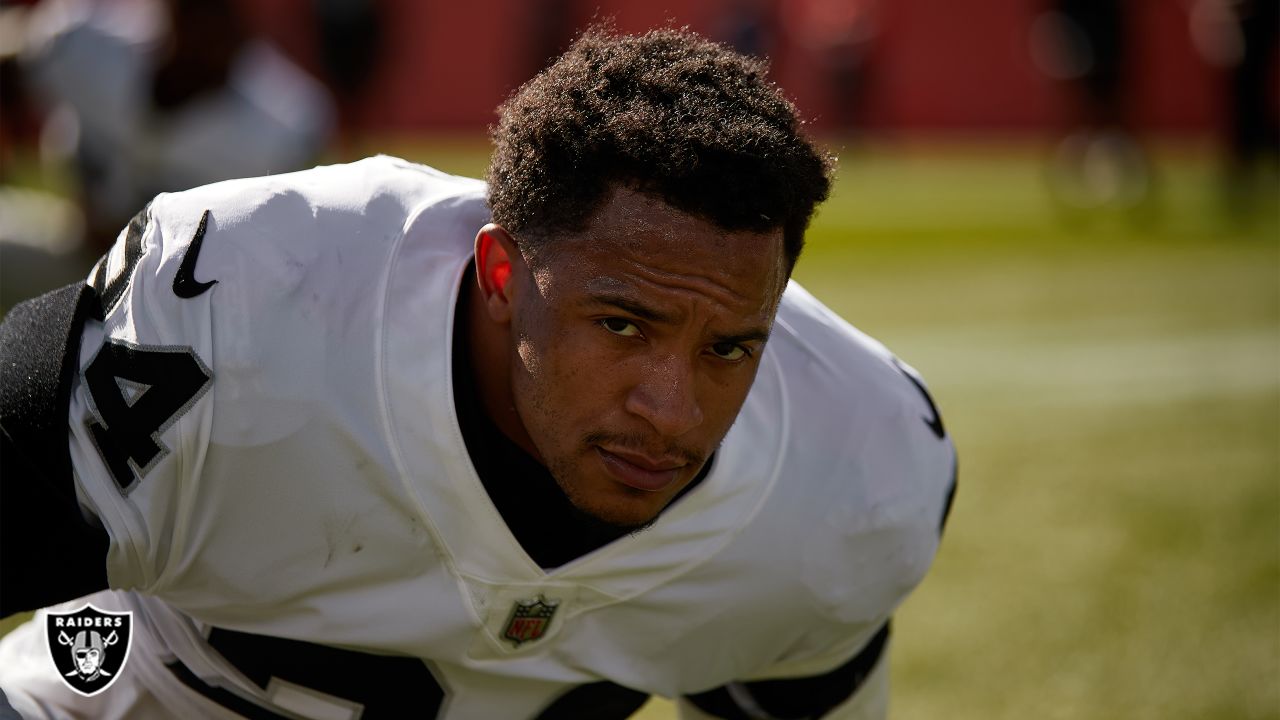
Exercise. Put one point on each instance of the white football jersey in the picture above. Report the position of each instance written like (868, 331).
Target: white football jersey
(301, 475)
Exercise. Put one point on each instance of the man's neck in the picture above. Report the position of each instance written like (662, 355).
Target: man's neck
(489, 347)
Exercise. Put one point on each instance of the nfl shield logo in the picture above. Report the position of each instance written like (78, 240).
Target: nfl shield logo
(530, 619)
(89, 647)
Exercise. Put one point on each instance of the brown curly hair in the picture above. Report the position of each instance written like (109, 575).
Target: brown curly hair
(667, 113)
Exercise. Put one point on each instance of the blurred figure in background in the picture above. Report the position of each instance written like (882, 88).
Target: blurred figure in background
(1239, 36)
(840, 36)
(748, 26)
(147, 96)
(40, 231)
(1100, 162)
(551, 25)
(350, 33)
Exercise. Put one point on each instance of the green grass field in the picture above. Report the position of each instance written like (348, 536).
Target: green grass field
(1114, 392)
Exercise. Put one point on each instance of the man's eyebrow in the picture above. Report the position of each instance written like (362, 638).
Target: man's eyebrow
(751, 335)
(644, 312)
(631, 305)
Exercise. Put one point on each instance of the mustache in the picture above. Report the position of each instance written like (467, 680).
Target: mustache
(643, 445)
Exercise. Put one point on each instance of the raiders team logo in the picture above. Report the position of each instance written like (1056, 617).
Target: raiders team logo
(530, 619)
(89, 647)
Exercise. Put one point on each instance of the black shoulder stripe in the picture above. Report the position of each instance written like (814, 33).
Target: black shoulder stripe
(934, 419)
(806, 697)
(951, 494)
(48, 553)
(111, 289)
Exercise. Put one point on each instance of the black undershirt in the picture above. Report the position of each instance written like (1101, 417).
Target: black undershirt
(549, 528)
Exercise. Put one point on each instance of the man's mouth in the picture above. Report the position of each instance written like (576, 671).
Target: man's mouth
(640, 471)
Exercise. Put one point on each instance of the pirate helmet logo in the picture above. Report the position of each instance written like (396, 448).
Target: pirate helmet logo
(89, 647)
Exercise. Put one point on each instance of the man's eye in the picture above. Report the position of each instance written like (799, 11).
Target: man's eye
(618, 326)
(729, 351)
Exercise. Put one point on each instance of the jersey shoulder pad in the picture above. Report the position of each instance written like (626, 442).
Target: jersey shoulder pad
(848, 379)
(253, 243)
(876, 456)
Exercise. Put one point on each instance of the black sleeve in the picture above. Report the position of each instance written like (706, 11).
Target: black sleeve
(48, 551)
(806, 697)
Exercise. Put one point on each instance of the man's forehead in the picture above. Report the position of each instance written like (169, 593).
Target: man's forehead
(636, 220)
(601, 284)
(618, 272)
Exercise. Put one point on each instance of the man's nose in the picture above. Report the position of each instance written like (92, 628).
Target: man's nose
(666, 397)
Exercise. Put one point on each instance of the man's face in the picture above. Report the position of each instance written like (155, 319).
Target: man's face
(635, 343)
(87, 660)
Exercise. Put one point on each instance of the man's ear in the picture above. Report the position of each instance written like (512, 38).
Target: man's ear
(496, 251)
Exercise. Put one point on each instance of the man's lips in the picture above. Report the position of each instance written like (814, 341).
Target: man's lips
(639, 471)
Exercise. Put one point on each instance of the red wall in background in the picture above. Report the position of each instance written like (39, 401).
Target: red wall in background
(939, 65)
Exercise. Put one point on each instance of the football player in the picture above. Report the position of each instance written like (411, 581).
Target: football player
(147, 102)
(372, 439)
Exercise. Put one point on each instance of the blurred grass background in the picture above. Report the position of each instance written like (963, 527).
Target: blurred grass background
(1113, 387)
(1112, 382)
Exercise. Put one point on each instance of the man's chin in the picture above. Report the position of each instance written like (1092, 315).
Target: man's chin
(605, 505)
(613, 518)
